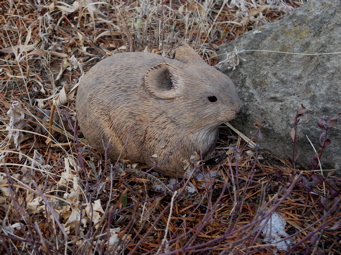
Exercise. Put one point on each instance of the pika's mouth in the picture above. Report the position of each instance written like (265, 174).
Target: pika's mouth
(235, 113)
(232, 115)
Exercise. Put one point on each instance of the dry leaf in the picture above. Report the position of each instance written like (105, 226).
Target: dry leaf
(64, 65)
(114, 236)
(73, 219)
(19, 48)
(106, 33)
(36, 205)
(256, 11)
(46, 52)
(4, 185)
(68, 8)
(17, 121)
(66, 176)
(61, 97)
(95, 211)
(191, 7)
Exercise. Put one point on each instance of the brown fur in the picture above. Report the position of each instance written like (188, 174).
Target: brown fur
(155, 110)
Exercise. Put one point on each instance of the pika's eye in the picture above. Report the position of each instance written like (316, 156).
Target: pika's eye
(212, 99)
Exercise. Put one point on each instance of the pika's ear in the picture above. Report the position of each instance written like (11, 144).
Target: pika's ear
(162, 81)
(186, 54)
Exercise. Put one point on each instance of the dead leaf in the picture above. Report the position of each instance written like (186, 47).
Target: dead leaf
(107, 33)
(16, 123)
(191, 7)
(19, 48)
(68, 8)
(256, 11)
(46, 52)
(4, 185)
(95, 212)
(36, 205)
(64, 65)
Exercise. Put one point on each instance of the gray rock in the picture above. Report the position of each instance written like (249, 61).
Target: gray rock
(274, 85)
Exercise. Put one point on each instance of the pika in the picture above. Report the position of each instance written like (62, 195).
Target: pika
(155, 110)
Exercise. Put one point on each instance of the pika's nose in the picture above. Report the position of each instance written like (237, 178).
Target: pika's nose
(240, 110)
(238, 106)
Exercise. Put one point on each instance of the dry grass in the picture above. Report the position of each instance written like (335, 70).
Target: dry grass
(58, 196)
